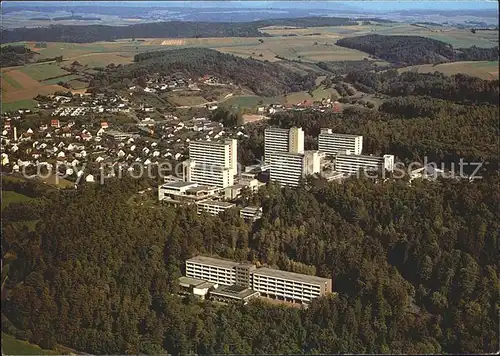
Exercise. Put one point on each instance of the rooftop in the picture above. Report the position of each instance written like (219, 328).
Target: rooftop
(191, 281)
(234, 291)
(179, 185)
(251, 209)
(304, 278)
(340, 134)
(222, 204)
(213, 262)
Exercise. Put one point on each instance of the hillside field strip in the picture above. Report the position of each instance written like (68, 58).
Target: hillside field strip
(481, 69)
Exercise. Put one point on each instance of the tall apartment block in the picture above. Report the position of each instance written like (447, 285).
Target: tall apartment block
(351, 164)
(278, 140)
(212, 163)
(333, 143)
(289, 168)
(271, 283)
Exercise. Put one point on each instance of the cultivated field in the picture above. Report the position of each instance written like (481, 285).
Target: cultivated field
(306, 45)
(21, 84)
(482, 69)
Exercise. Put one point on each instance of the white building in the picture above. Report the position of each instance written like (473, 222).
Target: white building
(332, 143)
(278, 140)
(213, 207)
(289, 286)
(212, 163)
(185, 192)
(212, 270)
(289, 168)
(270, 283)
(352, 164)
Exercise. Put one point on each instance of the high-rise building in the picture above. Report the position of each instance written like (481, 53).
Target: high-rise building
(296, 140)
(351, 164)
(289, 168)
(212, 163)
(333, 143)
(278, 140)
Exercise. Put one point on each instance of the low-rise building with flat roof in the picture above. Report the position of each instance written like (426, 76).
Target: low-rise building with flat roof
(252, 213)
(233, 294)
(197, 287)
(213, 207)
(186, 192)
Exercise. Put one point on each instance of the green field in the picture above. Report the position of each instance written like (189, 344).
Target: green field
(12, 82)
(43, 71)
(77, 84)
(13, 346)
(324, 93)
(64, 79)
(9, 196)
(251, 101)
(16, 105)
(185, 100)
(58, 182)
(481, 69)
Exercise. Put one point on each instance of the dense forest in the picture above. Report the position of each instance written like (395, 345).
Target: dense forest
(171, 29)
(16, 56)
(263, 78)
(411, 50)
(459, 87)
(415, 269)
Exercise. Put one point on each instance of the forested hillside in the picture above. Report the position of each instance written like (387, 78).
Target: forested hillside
(15, 56)
(411, 50)
(263, 78)
(415, 268)
(171, 29)
(459, 87)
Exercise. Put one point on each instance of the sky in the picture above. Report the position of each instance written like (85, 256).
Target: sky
(393, 5)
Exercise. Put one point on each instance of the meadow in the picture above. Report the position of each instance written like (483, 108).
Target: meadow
(482, 69)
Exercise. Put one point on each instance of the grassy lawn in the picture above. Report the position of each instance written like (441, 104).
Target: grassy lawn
(320, 93)
(12, 197)
(16, 105)
(43, 71)
(298, 97)
(58, 182)
(187, 100)
(13, 346)
(251, 101)
(76, 84)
